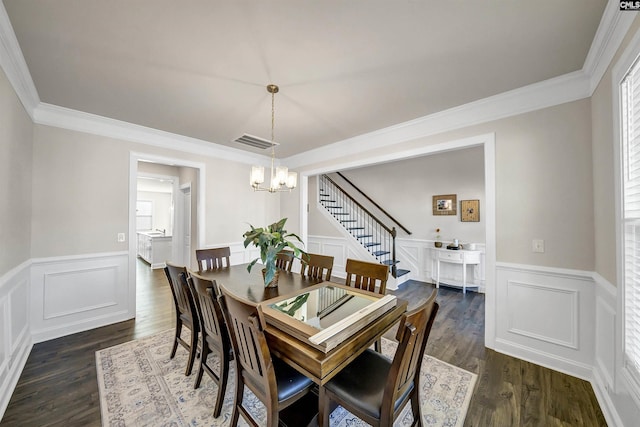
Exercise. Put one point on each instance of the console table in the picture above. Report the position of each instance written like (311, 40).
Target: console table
(462, 257)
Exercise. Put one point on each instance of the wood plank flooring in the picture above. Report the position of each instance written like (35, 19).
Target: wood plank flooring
(58, 386)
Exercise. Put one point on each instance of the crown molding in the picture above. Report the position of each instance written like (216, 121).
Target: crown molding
(14, 66)
(613, 27)
(66, 118)
(559, 90)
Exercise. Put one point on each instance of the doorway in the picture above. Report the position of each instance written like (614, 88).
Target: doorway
(183, 217)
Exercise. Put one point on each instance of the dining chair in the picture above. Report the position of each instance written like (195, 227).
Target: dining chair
(270, 379)
(377, 389)
(368, 276)
(185, 311)
(214, 336)
(284, 260)
(212, 259)
(317, 266)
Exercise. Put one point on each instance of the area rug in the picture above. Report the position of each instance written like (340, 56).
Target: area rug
(140, 386)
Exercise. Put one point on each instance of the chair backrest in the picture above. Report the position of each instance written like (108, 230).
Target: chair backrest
(181, 294)
(412, 337)
(212, 259)
(209, 311)
(251, 352)
(316, 266)
(366, 275)
(284, 260)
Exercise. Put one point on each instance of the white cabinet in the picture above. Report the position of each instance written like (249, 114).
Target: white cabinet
(154, 248)
(463, 258)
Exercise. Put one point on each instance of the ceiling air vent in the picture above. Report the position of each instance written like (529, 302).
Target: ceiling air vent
(254, 141)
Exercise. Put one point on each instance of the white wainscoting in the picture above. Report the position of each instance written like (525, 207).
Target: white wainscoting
(15, 334)
(605, 348)
(415, 255)
(76, 293)
(545, 315)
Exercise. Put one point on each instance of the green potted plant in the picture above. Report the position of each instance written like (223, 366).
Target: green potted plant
(270, 241)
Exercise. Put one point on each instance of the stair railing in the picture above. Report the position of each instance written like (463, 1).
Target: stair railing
(378, 238)
(373, 202)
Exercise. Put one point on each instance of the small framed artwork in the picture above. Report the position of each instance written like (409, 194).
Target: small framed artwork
(470, 210)
(445, 204)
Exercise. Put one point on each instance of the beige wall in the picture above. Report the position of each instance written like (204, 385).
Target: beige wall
(81, 194)
(16, 136)
(544, 183)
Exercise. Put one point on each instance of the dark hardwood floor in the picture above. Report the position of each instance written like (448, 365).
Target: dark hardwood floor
(58, 386)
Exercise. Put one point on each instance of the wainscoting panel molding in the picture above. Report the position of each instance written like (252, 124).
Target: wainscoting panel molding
(15, 336)
(560, 304)
(73, 294)
(545, 315)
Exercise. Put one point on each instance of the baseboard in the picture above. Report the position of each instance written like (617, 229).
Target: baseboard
(15, 370)
(607, 406)
(80, 326)
(551, 361)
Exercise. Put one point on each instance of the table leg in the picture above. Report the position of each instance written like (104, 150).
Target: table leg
(438, 275)
(464, 278)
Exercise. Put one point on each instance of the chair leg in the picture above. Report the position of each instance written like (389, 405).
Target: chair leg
(192, 352)
(378, 345)
(272, 415)
(324, 406)
(175, 338)
(202, 361)
(222, 384)
(415, 408)
(237, 400)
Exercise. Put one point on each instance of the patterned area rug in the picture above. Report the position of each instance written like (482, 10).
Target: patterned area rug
(140, 386)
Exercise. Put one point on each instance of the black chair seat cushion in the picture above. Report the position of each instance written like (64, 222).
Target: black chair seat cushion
(290, 382)
(361, 384)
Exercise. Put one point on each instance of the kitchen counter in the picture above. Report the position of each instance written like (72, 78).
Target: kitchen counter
(154, 247)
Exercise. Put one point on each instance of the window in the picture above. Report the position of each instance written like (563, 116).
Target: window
(630, 153)
(144, 215)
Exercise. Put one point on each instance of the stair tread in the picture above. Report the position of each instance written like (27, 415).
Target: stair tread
(367, 245)
(340, 213)
(348, 220)
(328, 200)
(378, 253)
(389, 262)
(355, 228)
(363, 236)
(401, 272)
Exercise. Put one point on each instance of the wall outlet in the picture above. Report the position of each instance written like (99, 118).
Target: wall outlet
(121, 237)
(537, 245)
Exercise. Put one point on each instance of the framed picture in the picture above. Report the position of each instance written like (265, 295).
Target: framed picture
(445, 204)
(470, 210)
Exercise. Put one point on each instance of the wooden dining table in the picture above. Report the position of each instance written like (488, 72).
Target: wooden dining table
(316, 364)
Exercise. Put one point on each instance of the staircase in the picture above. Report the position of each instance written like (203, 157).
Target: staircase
(376, 237)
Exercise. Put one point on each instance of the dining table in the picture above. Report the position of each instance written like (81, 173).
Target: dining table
(317, 364)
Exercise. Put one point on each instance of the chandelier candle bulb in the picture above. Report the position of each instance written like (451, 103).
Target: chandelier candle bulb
(292, 180)
(282, 174)
(257, 175)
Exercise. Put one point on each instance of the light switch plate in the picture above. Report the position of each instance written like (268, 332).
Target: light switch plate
(121, 237)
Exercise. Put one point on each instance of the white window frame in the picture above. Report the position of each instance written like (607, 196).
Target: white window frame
(625, 378)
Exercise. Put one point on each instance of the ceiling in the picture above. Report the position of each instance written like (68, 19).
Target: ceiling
(344, 67)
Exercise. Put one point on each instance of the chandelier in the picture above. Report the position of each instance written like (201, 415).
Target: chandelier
(281, 178)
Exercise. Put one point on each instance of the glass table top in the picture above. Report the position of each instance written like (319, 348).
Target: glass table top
(324, 306)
